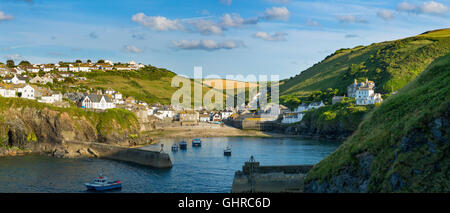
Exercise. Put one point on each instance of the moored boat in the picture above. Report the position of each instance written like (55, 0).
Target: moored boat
(196, 142)
(183, 145)
(101, 183)
(227, 151)
(174, 147)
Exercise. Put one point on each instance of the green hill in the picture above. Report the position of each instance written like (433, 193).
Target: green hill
(390, 64)
(401, 146)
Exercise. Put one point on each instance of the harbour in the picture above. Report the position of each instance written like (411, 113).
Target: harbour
(202, 169)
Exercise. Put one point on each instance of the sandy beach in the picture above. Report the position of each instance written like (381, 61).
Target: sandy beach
(207, 130)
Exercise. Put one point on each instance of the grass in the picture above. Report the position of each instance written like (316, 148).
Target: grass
(390, 64)
(406, 114)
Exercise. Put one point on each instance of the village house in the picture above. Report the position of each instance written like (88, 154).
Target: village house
(364, 92)
(15, 80)
(290, 118)
(63, 68)
(352, 88)
(36, 80)
(121, 67)
(50, 97)
(188, 117)
(366, 96)
(226, 114)
(305, 107)
(7, 92)
(33, 69)
(27, 92)
(84, 68)
(204, 118)
(94, 101)
(48, 67)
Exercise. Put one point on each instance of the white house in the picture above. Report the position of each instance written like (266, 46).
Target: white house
(204, 118)
(292, 117)
(15, 80)
(94, 101)
(166, 113)
(50, 99)
(26, 92)
(366, 96)
(63, 69)
(33, 69)
(305, 107)
(7, 93)
(226, 114)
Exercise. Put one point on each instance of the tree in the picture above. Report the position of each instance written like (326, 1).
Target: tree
(78, 61)
(89, 61)
(101, 61)
(10, 63)
(24, 63)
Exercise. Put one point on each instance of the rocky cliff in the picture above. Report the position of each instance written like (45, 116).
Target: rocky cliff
(29, 125)
(401, 146)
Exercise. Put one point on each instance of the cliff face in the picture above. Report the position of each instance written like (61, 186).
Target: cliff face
(401, 146)
(26, 124)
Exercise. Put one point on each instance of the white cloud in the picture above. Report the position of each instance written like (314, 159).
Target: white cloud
(433, 7)
(276, 13)
(158, 23)
(350, 19)
(4, 17)
(387, 15)
(430, 7)
(406, 7)
(132, 49)
(226, 2)
(205, 27)
(234, 20)
(208, 45)
(275, 37)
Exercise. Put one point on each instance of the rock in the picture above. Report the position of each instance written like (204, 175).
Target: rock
(93, 152)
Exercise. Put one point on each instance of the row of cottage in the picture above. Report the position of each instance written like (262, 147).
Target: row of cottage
(76, 67)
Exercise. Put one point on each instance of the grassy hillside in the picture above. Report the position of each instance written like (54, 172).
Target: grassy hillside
(390, 64)
(402, 145)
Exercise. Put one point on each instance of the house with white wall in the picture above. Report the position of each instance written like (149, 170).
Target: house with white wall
(94, 101)
(27, 92)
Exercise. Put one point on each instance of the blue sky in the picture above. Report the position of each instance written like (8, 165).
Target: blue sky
(224, 36)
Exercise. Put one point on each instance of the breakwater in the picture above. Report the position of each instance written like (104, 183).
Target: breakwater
(135, 155)
(255, 178)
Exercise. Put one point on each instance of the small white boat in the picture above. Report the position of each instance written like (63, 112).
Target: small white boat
(227, 151)
(101, 183)
(174, 147)
(196, 142)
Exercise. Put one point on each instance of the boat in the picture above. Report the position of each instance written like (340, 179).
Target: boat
(196, 142)
(227, 151)
(101, 183)
(183, 145)
(174, 147)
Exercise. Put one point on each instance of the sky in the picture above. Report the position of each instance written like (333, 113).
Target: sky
(225, 37)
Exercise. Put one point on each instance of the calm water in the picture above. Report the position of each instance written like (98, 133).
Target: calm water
(203, 169)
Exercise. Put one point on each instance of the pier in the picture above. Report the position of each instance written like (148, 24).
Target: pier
(255, 178)
(156, 159)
